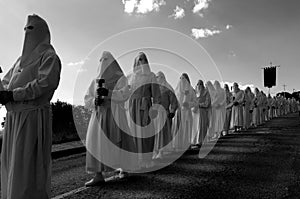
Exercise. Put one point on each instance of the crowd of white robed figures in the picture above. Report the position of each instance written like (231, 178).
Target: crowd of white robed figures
(187, 116)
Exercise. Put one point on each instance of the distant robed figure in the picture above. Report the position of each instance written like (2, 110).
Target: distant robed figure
(204, 106)
(28, 88)
(163, 124)
(183, 121)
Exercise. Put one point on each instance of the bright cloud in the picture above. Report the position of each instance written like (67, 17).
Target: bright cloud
(228, 27)
(232, 54)
(79, 63)
(204, 32)
(142, 6)
(129, 5)
(200, 5)
(178, 13)
(81, 70)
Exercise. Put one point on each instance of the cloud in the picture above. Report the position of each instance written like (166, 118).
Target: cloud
(228, 27)
(142, 6)
(79, 63)
(200, 5)
(129, 5)
(178, 13)
(81, 70)
(232, 54)
(204, 32)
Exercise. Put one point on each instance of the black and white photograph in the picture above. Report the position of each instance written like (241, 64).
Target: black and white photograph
(149, 99)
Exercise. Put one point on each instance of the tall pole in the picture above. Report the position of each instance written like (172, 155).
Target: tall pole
(284, 89)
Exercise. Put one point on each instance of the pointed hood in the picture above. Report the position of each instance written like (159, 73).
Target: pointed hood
(163, 84)
(141, 72)
(200, 89)
(211, 89)
(36, 41)
(220, 93)
(141, 64)
(109, 70)
(182, 86)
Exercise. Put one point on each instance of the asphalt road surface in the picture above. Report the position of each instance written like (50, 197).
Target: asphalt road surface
(259, 163)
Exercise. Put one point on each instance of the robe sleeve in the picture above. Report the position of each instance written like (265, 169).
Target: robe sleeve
(254, 101)
(207, 101)
(6, 78)
(193, 101)
(220, 99)
(223, 99)
(122, 93)
(173, 102)
(155, 90)
(89, 98)
(259, 101)
(240, 97)
(250, 100)
(47, 80)
(214, 100)
(229, 100)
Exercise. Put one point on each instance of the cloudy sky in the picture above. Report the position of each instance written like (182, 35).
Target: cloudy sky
(228, 40)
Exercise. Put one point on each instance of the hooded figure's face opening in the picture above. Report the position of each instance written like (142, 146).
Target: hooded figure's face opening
(28, 28)
(235, 88)
(142, 60)
(160, 78)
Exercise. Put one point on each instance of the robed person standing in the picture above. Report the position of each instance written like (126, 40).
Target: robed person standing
(229, 98)
(163, 124)
(203, 102)
(246, 108)
(212, 115)
(183, 121)
(108, 124)
(237, 109)
(145, 92)
(256, 103)
(27, 140)
(219, 104)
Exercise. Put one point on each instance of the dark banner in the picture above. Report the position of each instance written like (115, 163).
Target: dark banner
(270, 76)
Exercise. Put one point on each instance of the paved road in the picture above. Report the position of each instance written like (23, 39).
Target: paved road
(260, 163)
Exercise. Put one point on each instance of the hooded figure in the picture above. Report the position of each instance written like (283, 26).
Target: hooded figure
(275, 106)
(265, 107)
(165, 116)
(144, 93)
(182, 129)
(246, 108)
(237, 109)
(271, 107)
(229, 98)
(215, 100)
(195, 115)
(256, 102)
(108, 122)
(219, 105)
(203, 103)
(27, 139)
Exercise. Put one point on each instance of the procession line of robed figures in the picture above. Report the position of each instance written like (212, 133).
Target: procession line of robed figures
(123, 120)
